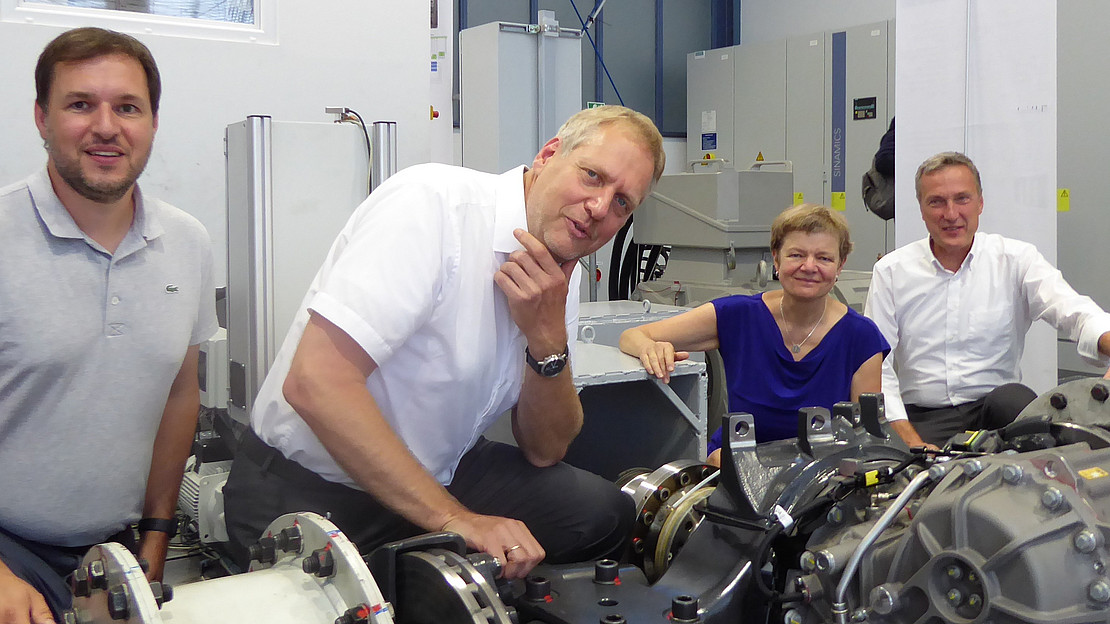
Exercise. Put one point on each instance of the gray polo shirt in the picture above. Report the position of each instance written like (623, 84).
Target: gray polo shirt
(89, 345)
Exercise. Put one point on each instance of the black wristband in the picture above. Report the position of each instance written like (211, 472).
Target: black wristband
(162, 525)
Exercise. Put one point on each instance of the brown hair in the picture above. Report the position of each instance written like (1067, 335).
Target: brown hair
(944, 160)
(82, 44)
(582, 127)
(811, 219)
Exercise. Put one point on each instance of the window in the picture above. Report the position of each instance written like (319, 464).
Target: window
(229, 20)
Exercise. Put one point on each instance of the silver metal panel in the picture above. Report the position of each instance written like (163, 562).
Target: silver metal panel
(714, 210)
(866, 76)
(710, 104)
(291, 187)
(248, 189)
(1083, 148)
(805, 116)
(498, 82)
(760, 116)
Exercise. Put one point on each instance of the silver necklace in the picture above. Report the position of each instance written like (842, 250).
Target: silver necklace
(797, 348)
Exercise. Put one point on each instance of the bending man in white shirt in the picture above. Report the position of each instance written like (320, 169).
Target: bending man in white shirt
(955, 308)
(447, 299)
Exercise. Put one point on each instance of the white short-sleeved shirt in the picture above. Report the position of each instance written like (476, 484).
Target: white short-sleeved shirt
(955, 336)
(410, 279)
(90, 343)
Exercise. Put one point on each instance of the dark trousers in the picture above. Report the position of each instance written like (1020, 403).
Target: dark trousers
(575, 515)
(45, 567)
(997, 409)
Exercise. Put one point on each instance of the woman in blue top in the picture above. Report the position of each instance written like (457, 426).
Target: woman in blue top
(785, 349)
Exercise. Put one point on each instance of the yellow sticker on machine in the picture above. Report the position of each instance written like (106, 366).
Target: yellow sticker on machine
(1093, 473)
(839, 201)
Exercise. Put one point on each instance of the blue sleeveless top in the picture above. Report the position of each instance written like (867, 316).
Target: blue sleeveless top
(765, 381)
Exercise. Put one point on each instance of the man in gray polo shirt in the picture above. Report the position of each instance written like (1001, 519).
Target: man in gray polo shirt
(106, 296)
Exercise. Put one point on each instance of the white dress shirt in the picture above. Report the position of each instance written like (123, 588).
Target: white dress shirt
(955, 336)
(410, 279)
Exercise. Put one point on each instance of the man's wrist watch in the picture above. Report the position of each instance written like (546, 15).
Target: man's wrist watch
(551, 365)
(162, 525)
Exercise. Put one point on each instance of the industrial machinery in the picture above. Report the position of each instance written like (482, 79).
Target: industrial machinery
(304, 570)
(841, 524)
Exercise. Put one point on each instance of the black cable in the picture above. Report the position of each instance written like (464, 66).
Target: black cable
(615, 261)
(597, 53)
(369, 153)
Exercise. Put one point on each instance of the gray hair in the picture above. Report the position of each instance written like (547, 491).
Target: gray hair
(944, 160)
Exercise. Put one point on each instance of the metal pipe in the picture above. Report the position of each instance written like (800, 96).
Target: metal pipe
(383, 141)
(840, 604)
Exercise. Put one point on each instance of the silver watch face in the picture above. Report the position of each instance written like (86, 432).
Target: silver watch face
(552, 365)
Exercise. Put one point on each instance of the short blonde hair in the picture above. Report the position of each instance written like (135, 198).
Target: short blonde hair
(811, 219)
(584, 125)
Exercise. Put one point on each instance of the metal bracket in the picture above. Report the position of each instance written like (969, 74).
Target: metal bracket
(678, 403)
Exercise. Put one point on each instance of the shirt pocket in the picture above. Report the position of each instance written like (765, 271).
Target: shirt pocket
(990, 332)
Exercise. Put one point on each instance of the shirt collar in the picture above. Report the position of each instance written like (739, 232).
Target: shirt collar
(509, 211)
(927, 252)
(60, 223)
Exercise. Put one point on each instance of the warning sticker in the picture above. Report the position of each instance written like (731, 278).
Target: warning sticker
(1093, 473)
(799, 199)
(1063, 200)
(839, 201)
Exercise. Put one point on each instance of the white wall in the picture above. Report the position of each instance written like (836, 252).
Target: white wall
(369, 56)
(770, 20)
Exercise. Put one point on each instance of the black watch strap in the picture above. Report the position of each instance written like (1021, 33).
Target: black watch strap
(162, 525)
(549, 366)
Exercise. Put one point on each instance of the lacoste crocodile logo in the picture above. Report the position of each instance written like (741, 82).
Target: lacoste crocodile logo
(171, 288)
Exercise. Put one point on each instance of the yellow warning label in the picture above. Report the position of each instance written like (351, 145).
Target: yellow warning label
(1063, 200)
(759, 158)
(1093, 473)
(839, 201)
(799, 199)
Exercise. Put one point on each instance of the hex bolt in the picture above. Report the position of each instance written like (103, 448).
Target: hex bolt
(118, 608)
(973, 468)
(684, 608)
(1099, 591)
(1085, 541)
(263, 551)
(1100, 393)
(1052, 499)
(792, 617)
(662, 494)
(320, 563)
(606, 571)
(954, 572)
(826, 561)
(162, 592)
(98, 579)
(808, 561)
(975, 601)
(79, 583)
(537, 588)
(954, 597)
(289, 539)
(1012, 474)
(1058, 401)
(884, 599)
(937, 472)
(835, 515)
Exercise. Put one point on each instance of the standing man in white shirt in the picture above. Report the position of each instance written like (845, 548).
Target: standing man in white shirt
(955, 308)
(448, 299)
